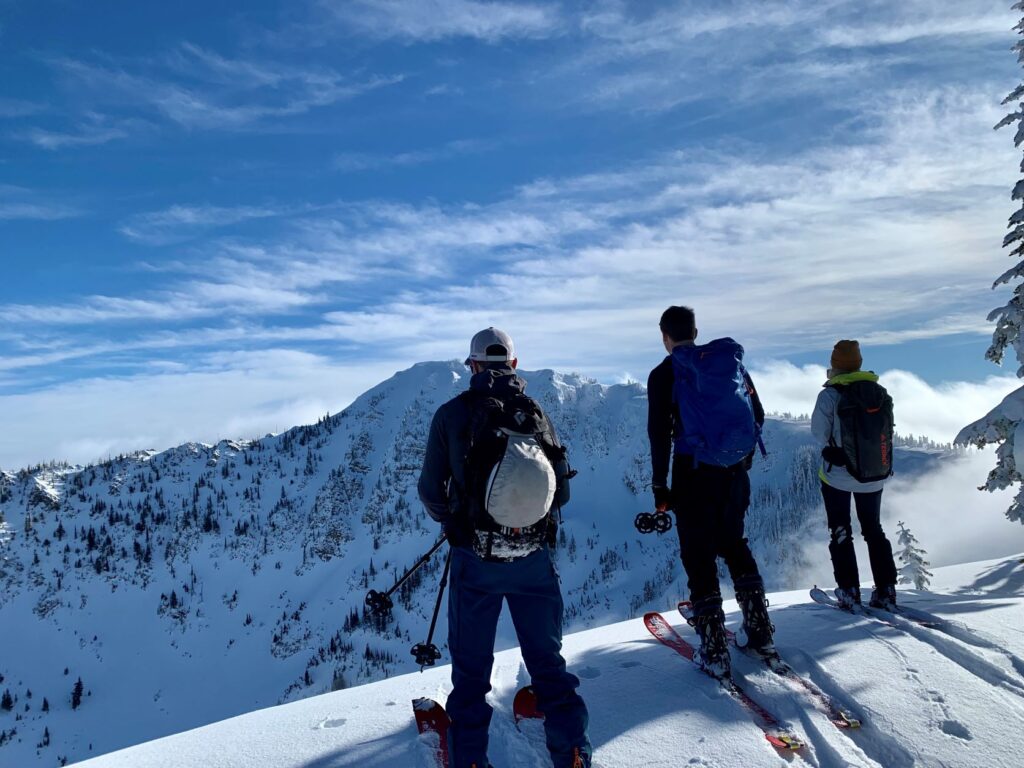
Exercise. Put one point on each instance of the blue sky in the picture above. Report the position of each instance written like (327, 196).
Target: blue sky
(221, 219)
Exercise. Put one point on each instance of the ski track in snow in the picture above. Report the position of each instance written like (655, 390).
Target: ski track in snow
(960, 631)
(877, 746)
(972, 662)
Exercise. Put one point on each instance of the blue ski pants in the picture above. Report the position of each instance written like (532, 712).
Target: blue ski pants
(531, 588)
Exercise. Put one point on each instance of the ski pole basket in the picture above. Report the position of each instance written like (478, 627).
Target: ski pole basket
(656, 522)
(426, 654)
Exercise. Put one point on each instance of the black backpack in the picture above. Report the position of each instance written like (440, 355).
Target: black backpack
(867, 426)
(510, 442)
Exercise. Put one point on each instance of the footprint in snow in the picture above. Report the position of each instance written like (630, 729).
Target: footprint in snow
(589, 673)
(331, 723)
(629, 664)
(956, 730)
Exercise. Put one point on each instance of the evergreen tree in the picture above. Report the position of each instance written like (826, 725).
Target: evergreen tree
(76, 694)
(7, 702)
(1004, 425)
(915, 567)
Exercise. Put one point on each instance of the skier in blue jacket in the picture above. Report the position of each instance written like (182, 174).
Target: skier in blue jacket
(494, 565)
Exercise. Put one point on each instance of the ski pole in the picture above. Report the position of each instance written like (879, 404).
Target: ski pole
(427, 653)
(379, 602)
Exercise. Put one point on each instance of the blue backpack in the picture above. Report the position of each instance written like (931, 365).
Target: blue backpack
(714, 404)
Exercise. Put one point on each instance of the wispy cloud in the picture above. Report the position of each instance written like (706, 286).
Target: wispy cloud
(181, 222)
(764, 245)
(92, 130)
(656, 58)
(203, 90)
(15, 108)
(358, 161)
(20, 203)
(432, 20)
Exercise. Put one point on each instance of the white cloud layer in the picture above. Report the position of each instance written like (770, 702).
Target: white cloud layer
(953, 521)
(938, 412)
(222, 396)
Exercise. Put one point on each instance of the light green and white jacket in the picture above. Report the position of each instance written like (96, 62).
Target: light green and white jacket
(825, 424)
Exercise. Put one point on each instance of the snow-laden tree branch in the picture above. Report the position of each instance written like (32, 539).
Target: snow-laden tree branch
(1004, 424)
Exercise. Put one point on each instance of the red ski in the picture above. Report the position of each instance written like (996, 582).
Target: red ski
(432, 719)
(839, 715)
(774, 731)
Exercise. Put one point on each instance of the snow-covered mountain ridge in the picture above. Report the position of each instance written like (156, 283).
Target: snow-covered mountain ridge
(926, 698)
(197, 583)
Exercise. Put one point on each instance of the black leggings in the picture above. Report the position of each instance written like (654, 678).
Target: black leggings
(844, 558)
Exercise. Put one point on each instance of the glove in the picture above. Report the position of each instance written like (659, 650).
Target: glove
(458, 533)
(662, 498)
(834, 455)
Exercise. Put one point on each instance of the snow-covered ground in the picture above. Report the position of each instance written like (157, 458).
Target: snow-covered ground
(927, 698)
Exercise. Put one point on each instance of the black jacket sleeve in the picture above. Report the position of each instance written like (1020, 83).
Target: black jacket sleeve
(437, 471)
(660, 421)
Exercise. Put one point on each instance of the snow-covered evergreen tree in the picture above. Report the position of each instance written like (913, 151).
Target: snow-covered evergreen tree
(1004, 424)
(915, 567)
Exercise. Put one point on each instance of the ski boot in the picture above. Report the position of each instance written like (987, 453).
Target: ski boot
(709, 622)
(884, 598)
(757, 632)
(848, 597)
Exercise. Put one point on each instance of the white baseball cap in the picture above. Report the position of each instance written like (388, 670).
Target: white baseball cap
(487, 339)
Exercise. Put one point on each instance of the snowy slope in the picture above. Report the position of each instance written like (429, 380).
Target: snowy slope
(191, 585)
(927, 699)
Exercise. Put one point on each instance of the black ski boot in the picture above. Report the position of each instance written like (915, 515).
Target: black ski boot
(709, 622)
(884, 598)
(848, 597)
(757, 632)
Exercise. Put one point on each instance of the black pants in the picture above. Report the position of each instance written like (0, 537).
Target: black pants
(844, 558)
(710, 504)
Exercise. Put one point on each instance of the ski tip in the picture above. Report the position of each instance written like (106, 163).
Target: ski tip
(784, 741)
(524, 705)
(425, 705)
